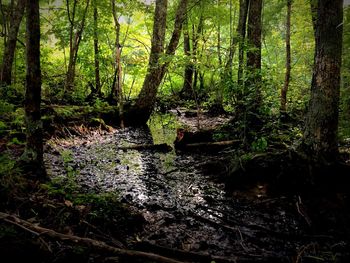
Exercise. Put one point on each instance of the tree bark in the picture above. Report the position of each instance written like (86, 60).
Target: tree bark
(320, 135)
(33, 154)
(254, 53)
(9, 52)
(288, 60)
(141, 111)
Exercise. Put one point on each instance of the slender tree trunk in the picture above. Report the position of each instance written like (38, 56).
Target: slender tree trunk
(241, 30)
(33, 154)
(4, 23)
(320, 136)
(218, 46)
(187, 88)
(74, 43)
(96, 52)
(195, 39)
(117, 89)
(140, 113)
(254, 52)
(234, 39)
(288, 60)
(115, 86)
(9, 52)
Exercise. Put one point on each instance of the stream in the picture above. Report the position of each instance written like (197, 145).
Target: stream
(183, 206)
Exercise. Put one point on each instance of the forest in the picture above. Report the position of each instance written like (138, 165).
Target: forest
(175, 131)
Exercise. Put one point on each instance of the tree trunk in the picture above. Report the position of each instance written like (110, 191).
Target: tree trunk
(9, 52)
(219, 36)
(241, 30)
(187, 88)
(320, 136)
(141, 111)
(117, 89)
(288, 60)
(254, 53)
(96, 52)
(74, 43)
(195, 39)
(33, 154)
(3, 24)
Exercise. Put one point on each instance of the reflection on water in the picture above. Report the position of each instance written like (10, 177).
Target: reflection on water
(141, 177)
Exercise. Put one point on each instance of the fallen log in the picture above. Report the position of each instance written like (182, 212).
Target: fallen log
(207, 145)
(163, 147)
(95, 244)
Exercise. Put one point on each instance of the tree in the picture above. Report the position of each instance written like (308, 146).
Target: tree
(96, 51)
(284, 90)
(75, 35)
(253, 82)
(117, 90)
(241, 30)
(321, 127)
(9, 52)
(187, 88)
(33, 154)
(141, 111)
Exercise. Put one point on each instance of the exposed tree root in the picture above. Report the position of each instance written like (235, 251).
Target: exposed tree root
(95, 244)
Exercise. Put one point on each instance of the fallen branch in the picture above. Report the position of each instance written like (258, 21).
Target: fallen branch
(182, 254)
(96, 244)
(163, 147)
(208, 145)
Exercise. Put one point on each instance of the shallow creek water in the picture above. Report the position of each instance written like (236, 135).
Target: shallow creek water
(184, 207)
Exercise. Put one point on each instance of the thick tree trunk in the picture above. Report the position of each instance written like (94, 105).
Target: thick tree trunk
(33, 154)
(254, 53)
(288, 60)
(96, 52)
(141, 111)
(241, 30)
(146, 99)
(320, 136)
(9, 52)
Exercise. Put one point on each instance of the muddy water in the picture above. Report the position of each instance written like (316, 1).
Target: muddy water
(183, 207)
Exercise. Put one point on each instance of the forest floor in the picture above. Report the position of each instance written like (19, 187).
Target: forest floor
(175, 204)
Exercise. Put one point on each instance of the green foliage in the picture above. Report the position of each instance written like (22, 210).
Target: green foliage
(5, 108)
(6, 164)
(260, 144)
(11, 119)
(3, 126)
(15, 141)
